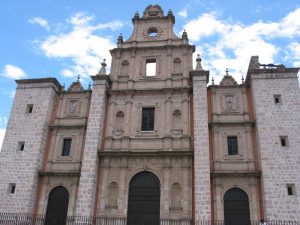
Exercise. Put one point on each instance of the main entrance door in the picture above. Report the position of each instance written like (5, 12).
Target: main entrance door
(236, 207)
(57, 208)
(144, 200)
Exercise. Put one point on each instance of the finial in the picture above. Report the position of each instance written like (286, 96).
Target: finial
(63, 86)
(120, 39)
(78, 78)
(90, 85)
(102, 70)
(213, 81)
(243, 80)
(227, 74)
(136, 15)
(198, 65)
(170, 13)
(184, 34)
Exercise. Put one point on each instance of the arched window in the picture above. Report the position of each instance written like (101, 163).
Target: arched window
(144, 200)
(236, 207)
(176, 196)
(57, 208)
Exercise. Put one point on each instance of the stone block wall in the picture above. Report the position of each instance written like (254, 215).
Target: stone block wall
(280, 164)
(19, 165)
(201, 149)
(88, 178)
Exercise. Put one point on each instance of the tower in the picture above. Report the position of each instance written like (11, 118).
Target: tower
(275, 94)
(24, 143)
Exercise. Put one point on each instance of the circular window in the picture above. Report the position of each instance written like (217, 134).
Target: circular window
(152, 32)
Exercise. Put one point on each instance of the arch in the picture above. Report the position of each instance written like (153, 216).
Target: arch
(236, 207)
(57, 207)
(112, 197)
(144, 199)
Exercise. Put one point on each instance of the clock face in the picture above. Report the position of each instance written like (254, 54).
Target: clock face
(152, 33)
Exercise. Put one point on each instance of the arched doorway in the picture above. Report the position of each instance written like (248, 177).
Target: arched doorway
(144, 200)
(236, 207)
(57, 208)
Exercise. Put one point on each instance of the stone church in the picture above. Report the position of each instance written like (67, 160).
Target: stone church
(151, 143)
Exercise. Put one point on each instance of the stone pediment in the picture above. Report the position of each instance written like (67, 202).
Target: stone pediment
(75, 87)
(228, 81)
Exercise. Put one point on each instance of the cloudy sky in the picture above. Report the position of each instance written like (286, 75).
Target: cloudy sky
(48, 38)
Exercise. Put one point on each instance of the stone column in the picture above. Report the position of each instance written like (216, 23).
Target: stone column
(88, 176)
(201, 146)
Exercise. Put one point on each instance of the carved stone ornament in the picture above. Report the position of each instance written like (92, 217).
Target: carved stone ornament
(72, 107)
(125, 63)
(230, 103)
(177, 60)
(118, 132)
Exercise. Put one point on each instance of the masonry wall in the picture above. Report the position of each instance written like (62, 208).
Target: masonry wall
(89, 170)
(201, 149)
(280, 165)
(20, 167)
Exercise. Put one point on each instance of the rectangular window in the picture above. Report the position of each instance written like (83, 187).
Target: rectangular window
(66, 147)
(148, 119)
(150, 67)
(29, 108)
(291, 189)
(232, 144)
(277, 99)
(21, 145)
(283, 141)
(11, 188)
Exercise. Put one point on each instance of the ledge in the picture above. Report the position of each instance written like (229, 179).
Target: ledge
(59, 173)
(118, 153)
(229, 173)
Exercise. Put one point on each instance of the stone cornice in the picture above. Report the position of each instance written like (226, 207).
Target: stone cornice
(40, 81)
(234, 123)
(147, 48)
(249, 173)
(199, 75)
(145, 153)
(60, 173)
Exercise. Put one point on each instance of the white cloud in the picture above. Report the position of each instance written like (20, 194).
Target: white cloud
(12, 93)
(2, 133)
(81, 45)
(40, 21)
(3, 121)
(13, 72)
(183, 13)
(294, 53)
(234, 43)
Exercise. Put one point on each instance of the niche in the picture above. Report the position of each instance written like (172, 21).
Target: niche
(177, 66)
(176, 121)
(124, 68)
(112, 196)
(119, 123)
(176, 197)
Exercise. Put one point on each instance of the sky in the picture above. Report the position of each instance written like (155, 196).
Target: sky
(67, 38)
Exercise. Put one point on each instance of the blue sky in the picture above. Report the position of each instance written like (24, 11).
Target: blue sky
(48, 38)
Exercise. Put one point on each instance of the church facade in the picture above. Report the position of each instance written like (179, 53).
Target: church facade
(152, 143)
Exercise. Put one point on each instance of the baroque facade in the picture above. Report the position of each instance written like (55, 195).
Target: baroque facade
(151, 141)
